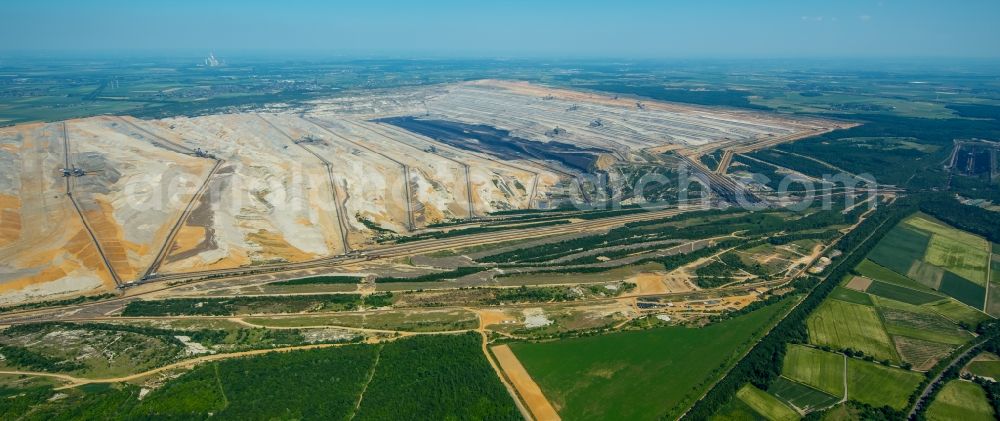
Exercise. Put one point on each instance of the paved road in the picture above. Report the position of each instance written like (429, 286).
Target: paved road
(927, 390)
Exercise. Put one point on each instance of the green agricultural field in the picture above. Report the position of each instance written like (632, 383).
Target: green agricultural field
(952, 262)
(817, 368)
(641, 374)
(900, 248)
(934, 255)
(886, 303)
(995, 266)
(954, 250)
(958, 312)
(963, 290)
(844, 325)
(921, 334)
(924, 326)
(986, 368)
(765, 404)
(920, 353)
(899, 293)
(798, 395)
(851, 296)
(926, 274)
(737, 410)
(878, 385)
(870, 269)
(960, 400)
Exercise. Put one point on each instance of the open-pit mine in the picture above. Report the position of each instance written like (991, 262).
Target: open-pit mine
(106, 202)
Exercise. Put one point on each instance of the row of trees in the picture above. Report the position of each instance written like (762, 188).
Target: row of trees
(57, 303)
(477, 230)
(437, 276)
(649, 231)
(320, 280)
(242, 305)
(964, 217)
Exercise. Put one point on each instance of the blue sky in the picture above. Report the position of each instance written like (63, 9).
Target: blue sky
(581, 28)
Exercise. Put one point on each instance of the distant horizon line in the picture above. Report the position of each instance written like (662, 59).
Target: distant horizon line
(416, 55)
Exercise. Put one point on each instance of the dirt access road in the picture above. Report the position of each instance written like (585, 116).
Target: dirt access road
(525, 385)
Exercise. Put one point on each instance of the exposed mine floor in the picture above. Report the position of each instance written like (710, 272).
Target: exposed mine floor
(92, 203)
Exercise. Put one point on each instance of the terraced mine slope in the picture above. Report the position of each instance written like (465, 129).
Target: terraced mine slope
(102, 202)
(91, 231)
(583, 119)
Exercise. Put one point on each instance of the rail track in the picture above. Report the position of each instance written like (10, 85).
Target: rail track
(411, 225)
(107, 307)
(166, 144)
(427, 246)
(79, 211)
(189, 208)
(534, 174)
(724, 186)
(465, 167)
(164, 251)
(341, 209)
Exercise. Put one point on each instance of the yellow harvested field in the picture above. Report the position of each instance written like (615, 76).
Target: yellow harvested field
(859, 283)
(529, 391)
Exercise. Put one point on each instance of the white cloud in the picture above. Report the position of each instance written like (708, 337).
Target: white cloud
(865, 17)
